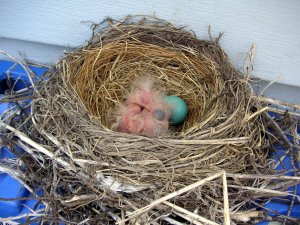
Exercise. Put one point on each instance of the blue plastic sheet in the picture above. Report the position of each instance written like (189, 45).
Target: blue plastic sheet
(14, 78)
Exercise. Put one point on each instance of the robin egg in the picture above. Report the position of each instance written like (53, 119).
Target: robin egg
(179, 109)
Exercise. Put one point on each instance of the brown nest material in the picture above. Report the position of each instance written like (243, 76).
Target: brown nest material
(99, 175)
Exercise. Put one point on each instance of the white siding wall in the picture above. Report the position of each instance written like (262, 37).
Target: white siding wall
(42, 29)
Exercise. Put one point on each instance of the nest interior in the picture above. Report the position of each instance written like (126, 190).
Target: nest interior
(104, 74)
(74, 113)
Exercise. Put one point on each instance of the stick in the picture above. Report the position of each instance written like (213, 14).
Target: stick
(256, 113)
(25, 215)
(272, 211)
(292, 160)
(246, 216)
(169, 196)
(278, 193)
(239, 140)
(277, 102)
(226, 201)
(190, 215)
(266, 177)
(278, 130)
(168, 219)
(184, 216)
(172, 221)
(281, 111)
(23, 66)
(13, 173)
(26, 139)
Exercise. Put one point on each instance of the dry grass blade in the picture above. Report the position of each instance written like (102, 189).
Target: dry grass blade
(191, 216)
(171, 195)
(226, 201)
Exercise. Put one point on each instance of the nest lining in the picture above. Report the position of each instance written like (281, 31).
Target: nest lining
(105, 74)
(223, 130)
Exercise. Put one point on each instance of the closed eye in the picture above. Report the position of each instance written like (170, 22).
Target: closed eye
(159, 114)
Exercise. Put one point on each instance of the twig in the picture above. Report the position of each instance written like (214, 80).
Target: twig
(14, 174)
(171, 195)
(256, 113)
(272, 211)
(25, 215)
(26, 139)
(282, 135)
(172, 221)
(238, 140)
(273, 192)
(104, 209)
(277, 102)
(226, 201)
(261, 176)
(246, 216)
(292, 160)
(281, 111)
(186, 217)
(278, 129)
(23, 66)
(191, 216)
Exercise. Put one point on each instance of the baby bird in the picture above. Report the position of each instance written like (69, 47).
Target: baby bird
(145, 111)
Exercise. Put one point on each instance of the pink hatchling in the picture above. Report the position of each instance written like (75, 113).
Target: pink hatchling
(144, 112)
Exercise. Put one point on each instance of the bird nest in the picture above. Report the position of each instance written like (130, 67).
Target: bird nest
(102, 176)
(103, 73)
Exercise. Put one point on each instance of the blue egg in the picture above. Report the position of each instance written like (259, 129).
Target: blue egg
(179, 109)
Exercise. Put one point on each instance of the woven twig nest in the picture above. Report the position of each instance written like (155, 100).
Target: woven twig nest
(125, 171)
